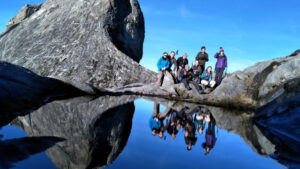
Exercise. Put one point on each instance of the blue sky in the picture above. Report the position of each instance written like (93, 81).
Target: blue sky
(248, 30)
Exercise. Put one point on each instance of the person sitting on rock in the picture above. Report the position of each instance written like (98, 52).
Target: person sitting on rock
(206, 78)
(196, 72)
(221, 65)
(181, 62)
(202, 58)
(187, 80)
(163, 65)
(173, 63)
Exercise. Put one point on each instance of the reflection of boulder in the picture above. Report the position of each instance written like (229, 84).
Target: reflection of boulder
(23, 91)
(96, 131)
(15, 150)
(279, 121)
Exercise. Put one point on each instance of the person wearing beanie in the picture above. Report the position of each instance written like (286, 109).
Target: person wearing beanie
(163, 65)
(202, 58)
(221, 65)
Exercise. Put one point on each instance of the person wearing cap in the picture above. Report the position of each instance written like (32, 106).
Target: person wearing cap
(202, 58)
(181, 63)
(163, 66)
(221, 65)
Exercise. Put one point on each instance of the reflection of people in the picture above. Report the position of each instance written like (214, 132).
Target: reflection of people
(157, 120)
(199, 122)
(190, 135)
(172, 127)
(210, 134)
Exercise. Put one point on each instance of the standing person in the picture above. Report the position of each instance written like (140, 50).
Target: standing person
(202, 58)
(221, 65)
(173, 63)
(181, 62)
(163, 65)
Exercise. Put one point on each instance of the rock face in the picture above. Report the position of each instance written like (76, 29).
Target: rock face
(249, 89)
(96, 42)
(96, 130)
(24, 13)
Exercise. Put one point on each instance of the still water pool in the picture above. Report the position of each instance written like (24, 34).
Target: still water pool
(140, 134)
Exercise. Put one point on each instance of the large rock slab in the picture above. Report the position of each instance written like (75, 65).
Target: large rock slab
(98, 42)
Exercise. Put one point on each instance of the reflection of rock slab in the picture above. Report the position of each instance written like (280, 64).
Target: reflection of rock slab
(96, 131)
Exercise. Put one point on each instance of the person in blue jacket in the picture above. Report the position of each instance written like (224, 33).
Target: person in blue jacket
(207, 79)
(163, 66)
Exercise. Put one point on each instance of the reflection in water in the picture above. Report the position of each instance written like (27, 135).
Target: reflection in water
(96, 131)
(15, 150)
(173, 121)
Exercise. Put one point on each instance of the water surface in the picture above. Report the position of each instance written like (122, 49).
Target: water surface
(115, 132)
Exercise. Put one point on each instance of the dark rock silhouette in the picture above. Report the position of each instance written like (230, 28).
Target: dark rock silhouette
(22, 91)
(15, 150)
(79, 42)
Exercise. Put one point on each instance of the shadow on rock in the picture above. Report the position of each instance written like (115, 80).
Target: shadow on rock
(15, 150)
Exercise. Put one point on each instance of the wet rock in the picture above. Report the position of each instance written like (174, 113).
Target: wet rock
(79, 42)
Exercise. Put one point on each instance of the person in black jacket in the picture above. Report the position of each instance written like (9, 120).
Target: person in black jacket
(197, 71)
(202, 58)
(187, 80)
(181, 62)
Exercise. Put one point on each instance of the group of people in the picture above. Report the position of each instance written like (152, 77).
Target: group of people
(192, 121)
(196, 77)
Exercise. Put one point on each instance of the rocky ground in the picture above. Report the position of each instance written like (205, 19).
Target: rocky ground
(249, 89)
